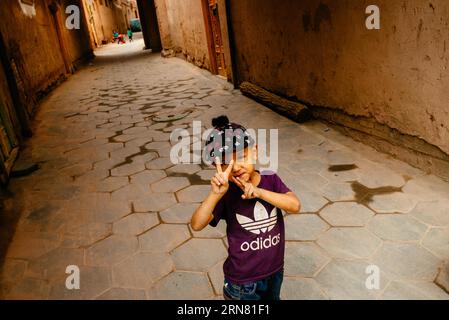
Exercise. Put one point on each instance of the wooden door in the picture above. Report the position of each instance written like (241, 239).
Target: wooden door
(54, 10)
(8, 143)
(215, 37)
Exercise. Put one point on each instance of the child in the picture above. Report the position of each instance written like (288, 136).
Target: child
(130, 35)
(250, 205)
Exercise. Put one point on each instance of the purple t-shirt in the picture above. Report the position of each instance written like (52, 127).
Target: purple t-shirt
(255, 231)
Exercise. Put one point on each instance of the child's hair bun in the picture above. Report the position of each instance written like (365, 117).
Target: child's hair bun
(220, 121)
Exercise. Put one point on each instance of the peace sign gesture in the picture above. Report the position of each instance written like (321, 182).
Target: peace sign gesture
(249, 190)
(220, 182)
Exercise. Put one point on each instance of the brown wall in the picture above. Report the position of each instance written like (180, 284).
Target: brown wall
(104, 18)
(32, 42)
(184, 21)
(320, 52)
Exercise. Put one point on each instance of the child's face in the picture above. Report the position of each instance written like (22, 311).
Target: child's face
(244, 163)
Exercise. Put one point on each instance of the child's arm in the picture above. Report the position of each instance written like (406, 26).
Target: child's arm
(203, 215)
(220, 185)
(288, 202)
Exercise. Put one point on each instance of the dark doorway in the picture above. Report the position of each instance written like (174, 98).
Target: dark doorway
(150, 27)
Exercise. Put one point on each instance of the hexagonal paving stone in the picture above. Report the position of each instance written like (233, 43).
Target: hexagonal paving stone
(157, 145)
(135, 130)
(211, 232)
(391, 203)
(422, 192)
(217, 277)
(138, 142)
(182, 286)
(311, 202)
(341, 157)
(123, 138)
(179, 213)
(170, 184)
(106, 164)
(29, 289)
(127, 169)
(92, 177)
(108, 210)
(11, 273)
(123, 294)
(339, 192)
(435, 213)
(340, 176)
(93, 281)
(159, 163)
(53, 264)
(192, 256)
(407, 261)
(164, 238)
(148, 177)
(111, 183)
(111, 250)
(377, 176)
(398, 290)
(144, 158)
(86, 235)
(154, 202)
(141, 270)
(396, 227)
(349, 214)
(306, 165)
(437, 241)
(293, 182)
(346, 280)
(49, 218)
(303, 259)
(312, 180)
(443, 277)
(193, 193)
(301, 289)
(130, 192)
(206, 174)
(135, 223)
(349, 242)
(304, 227)
(184, 168)
(30, 245)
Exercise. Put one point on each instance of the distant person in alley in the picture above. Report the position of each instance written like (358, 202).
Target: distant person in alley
(251, 206)
(130, 34)
(116, 36)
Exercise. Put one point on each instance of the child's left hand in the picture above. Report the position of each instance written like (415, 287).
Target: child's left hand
(249, 190)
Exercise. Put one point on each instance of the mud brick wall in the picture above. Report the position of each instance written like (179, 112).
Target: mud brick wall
(182, 28)
(33, 48)
(321, 53)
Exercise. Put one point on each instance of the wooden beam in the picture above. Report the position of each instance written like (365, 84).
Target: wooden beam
(293, 110)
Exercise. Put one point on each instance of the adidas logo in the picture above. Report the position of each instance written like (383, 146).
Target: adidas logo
(262, 221)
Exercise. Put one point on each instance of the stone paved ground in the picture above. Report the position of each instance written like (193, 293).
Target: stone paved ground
(108, 200)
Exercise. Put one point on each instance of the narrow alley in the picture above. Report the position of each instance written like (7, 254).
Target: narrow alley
(108, 199)
(348, 106)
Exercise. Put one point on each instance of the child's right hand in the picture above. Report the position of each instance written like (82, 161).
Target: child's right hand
(220, 182)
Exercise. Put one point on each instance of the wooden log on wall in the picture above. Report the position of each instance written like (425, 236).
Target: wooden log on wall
(293, 110)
